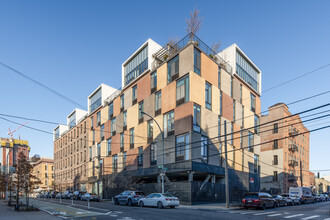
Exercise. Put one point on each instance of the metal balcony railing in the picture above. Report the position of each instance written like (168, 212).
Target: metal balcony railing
(292, 178)
(293, 148)
(293, 163)
(169, 50)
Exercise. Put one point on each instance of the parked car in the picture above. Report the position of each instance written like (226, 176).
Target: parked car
(129, 197)
(76, 195)
(58, 195)
(326, 196)
(159, 200)
(317, 198)
(322, 197)
(291, 199)
(67, 194)
(258, 200)
(90, 197)
(280, 201)
(304, 193)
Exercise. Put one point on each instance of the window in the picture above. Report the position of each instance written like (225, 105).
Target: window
(113, 126)
(98, 149)
(46, 175)
(140, 156)
(197, 61)
(158, 103)
(98, 118)
(256, 124)
(124, 160)
(150, 131)
(173, 69)
(125, 120)
(256, 163)
(110, 110)
(136, 66)
(131, 138)
(275, 177)
(122, 103)
(93, 141)
(109, 146)
(182, 90)
(153, 158)
(275, 128)
(90, 154)
(153, 80)
(240, 93)
(219, 77)
(169, 123)
(102, 132)
(182, 147)
(234, 110)
(114, 163)
(275, 146)
(204, 148)
(46, 167)
(197, 118)
(140, 112)
(275, 161)
(250, 141)
(253, 102)
(247, 72)
(122, 142)
(220, 102)
(134, 94)
(208, 95)
(91, 123)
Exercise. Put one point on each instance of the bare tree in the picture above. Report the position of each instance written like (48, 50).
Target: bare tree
(216, 46)
(118, 182)
(194, 22)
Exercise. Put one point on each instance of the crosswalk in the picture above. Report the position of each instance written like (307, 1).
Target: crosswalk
(278, 214)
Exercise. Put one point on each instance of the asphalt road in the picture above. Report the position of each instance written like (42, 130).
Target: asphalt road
(106, 210)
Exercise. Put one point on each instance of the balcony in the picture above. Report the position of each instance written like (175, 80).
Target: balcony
(167, 52)
(293, 163)
(292, 178)
(293, 133)
(293, 148)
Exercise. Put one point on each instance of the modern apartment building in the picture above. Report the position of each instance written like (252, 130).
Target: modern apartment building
(9, 151)
(44, 171)
(286, 151)
(191, 93)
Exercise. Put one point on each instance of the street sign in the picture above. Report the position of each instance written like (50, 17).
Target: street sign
(251, 180)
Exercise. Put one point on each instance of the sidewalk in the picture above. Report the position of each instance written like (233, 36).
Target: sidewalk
(209, 206)
(8, 213)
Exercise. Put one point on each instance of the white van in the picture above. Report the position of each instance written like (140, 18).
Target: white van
(304, 193)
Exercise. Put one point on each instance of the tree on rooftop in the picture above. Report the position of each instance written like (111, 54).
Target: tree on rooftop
(194, 22)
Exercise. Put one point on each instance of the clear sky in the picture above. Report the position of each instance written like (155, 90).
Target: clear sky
(73, 46)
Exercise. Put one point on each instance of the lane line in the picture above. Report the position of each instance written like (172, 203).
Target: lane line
(264, 213)
(292, 216)
(274, 215)
(310, 217)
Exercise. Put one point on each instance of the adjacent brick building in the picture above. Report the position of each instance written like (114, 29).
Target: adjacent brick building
(44, 171)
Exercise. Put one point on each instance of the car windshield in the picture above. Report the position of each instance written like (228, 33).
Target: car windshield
(139, 193)
(252, 196)
(167, 195)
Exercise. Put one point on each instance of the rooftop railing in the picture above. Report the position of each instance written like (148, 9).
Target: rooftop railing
(171, 49)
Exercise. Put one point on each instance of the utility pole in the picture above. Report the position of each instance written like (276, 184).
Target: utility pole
(226, 168)
(301, 177)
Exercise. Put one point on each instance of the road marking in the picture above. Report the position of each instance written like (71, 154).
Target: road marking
(274, 215)
(292, 216)
(310, 217)
(327, 219)
(263, 213)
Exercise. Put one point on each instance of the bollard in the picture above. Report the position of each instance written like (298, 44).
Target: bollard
(72, 201)
(60, 199)
(51, 198)
(88, 203)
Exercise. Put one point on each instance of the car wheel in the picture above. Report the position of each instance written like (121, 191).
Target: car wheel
(116, 202)
(159, 205)
(172, 206)
(264, 206)
(141, 204)
(129, 203)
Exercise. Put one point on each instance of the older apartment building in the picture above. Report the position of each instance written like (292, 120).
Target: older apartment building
(287, 150)
(191, 92)
(44, 171)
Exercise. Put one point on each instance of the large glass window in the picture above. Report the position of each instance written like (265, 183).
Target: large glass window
(197, 118)
(197, 61)
(110, 110)
(256, 124)
(102, 133)
(182, 147)
(158, 102)
(125, 119)
(93, 139)
(131, 138)
(245, 70)
(182, 90)
(153, 157)
(95, 100)
(92, 122)
(122, 142)
(136, 66)
(250, 141)
(140, 156)
(109, 146)
(113, 126)
(204, 147)
(122, 102)
(219, 77)
(256, 163)
(208, 95)
(141, 104)
(98, 118)
(98, 149)
(153, 81)
(169, 123)
(150, 131)
(134, 93)
(173, 69)
(90, 154)
(114, 163)
(253, 102)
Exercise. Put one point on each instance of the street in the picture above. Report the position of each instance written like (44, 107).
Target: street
(106, 210)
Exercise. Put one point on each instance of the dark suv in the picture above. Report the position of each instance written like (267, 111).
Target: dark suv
(129, 197)
(258, 200)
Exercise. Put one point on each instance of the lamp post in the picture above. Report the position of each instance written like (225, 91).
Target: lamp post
(163, 161)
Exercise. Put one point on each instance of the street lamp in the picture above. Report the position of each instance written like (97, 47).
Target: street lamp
(163, 161)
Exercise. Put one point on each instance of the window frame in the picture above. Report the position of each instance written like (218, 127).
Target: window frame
(208, 95)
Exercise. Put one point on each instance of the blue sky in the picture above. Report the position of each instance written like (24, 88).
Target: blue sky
(73, 46)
